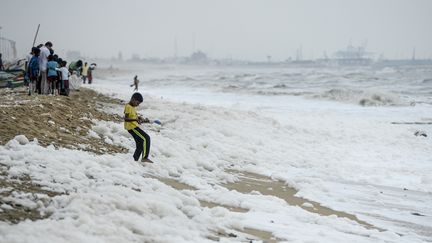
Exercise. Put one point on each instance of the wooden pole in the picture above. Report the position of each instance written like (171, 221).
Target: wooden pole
(37, 31)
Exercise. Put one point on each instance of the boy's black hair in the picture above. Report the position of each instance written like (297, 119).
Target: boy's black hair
(36, 51)
(137, 96)
(49, 44)
(50, 57)
(64, 63)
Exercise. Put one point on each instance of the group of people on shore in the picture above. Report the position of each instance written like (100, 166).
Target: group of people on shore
(47, 73)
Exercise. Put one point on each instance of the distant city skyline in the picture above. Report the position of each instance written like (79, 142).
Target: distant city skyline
(240, 29)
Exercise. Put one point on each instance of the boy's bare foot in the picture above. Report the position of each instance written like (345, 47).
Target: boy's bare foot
(146, 160)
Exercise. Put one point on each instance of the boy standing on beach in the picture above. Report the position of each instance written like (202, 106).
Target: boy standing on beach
(33, 70)
(131, 124)
(64, 83)
(52, 74)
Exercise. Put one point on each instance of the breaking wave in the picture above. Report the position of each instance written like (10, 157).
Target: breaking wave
(362, 97)
(365, 87)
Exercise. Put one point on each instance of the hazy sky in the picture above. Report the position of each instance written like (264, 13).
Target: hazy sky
(241, 29)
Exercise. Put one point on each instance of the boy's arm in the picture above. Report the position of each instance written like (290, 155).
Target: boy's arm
(126, 118)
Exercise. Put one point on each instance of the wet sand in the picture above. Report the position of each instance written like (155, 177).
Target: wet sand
(14, 212)
(181, 186)
(245, 233)
(249, 182)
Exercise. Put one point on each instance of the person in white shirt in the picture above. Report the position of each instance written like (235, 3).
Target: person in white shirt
(64, 84)
(42, 86)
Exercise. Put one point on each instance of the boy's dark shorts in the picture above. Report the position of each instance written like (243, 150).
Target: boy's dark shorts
(52, 78)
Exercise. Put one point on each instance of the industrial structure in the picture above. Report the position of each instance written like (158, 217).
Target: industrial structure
(8, 48)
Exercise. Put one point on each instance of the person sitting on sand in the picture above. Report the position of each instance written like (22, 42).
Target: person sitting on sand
(74, 81)
(131, 124)
(135, 83)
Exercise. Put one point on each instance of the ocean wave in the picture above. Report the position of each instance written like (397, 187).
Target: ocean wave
(362, 97)
(276, 90)
(279, 93)
(187, 79)
(386, 70)
(380, 100)
(231, 88)
(291, 74)
(280, 86)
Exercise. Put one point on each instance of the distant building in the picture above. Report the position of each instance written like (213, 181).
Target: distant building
(8, 48)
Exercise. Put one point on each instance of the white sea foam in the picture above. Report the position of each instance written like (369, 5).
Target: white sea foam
(343, 155)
